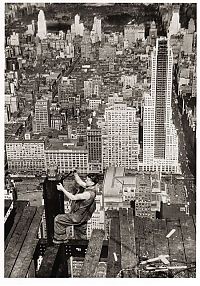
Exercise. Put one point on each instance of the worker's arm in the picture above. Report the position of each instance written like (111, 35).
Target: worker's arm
(83, 196)
(78, 180)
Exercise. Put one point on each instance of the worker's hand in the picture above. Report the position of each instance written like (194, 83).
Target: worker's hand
(59, 187)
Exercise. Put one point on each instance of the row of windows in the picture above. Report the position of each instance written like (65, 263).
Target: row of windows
(67, 156)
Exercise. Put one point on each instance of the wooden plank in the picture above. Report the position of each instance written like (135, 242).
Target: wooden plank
(7, 204)
(114, 246)
(31, 271)
(125, 239)
(148, 226)
(160, 240)
(8, 218)
(49, 262)
(17, 239)
(132, 235)
(176, 247)
(127, 260)
(137, 235)
(24, 259)
(93, 254)
(20, 205)
(194, 220)
(139, 224)
(189, 242)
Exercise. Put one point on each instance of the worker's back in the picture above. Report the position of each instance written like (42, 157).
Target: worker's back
(82, 210)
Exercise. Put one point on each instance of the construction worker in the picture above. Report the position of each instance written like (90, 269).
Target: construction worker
(82, 207)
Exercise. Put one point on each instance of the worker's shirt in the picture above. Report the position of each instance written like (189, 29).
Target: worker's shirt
(82, 210)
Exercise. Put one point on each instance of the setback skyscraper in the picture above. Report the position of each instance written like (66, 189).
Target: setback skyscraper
(160, 140)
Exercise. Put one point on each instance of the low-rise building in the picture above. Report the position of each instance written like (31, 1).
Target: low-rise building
(67, 155)
(26, 154)
(122, 189)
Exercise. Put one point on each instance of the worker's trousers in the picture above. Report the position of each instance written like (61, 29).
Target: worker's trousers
(62, 223)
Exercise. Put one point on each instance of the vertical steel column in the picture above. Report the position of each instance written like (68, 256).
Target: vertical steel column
(53, 199)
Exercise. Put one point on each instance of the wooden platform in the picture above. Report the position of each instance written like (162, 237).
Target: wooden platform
(21, 241)
(143, 238)
(132, 241)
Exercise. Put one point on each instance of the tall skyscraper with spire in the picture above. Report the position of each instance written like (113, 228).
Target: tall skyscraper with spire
(160, 140)
(42, 26)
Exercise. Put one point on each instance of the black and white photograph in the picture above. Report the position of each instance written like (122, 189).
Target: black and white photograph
(100, 118)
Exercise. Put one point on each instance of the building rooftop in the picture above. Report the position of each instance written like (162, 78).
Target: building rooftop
(113, 184)
(53, 76)
(12, 128)
(176, 192)
(173, 211)
(21, 138)
(66, 144)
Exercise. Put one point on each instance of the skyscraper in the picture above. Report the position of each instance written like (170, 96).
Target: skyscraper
(152, 33)
(191, 26)
(94, 146)
(121, 143)
(76, 23)
(41, 120)
(86, 45)
(42, 26)
(77, 28)
(174, 24)
(97, 27)
(187, 43)
(160, 141)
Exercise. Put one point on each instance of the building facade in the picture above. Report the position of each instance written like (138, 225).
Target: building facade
(86, 46)
(97, 220)
(92, 86)
(26, 154)
(120, 144)
(132, 33)
(41, 119)
(143, 197)
(94, 104)
(94, 147)
(67, 155)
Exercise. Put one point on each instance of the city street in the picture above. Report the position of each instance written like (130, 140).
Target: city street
(183, 156)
